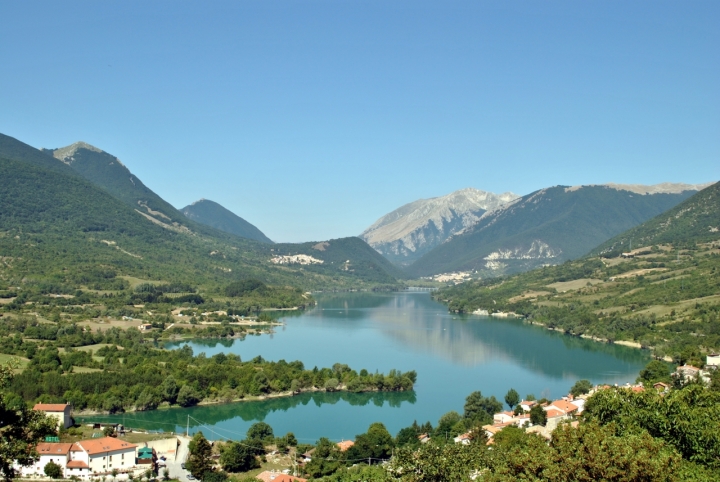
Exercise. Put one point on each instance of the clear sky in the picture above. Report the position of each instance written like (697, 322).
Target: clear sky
(311, 119)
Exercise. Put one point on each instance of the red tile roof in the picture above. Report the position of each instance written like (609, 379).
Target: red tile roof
(76, 464)
(51, 407)
(45, 448)
(105, 444)
(552, 413)
(345, 444)
(268, 476)
(564, 406)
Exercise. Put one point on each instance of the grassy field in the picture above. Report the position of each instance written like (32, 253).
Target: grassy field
(22, 362)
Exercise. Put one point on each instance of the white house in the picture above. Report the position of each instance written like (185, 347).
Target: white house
(713, 360)
(57, 453)
(503, 417)
(105, 454)
(60, 411)
(83, 459)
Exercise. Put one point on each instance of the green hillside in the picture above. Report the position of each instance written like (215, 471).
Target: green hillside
(665, 297)
(106, 171)
(55, 225)
(695, 220)
(213, 214)
(549, 226)
(11, 148)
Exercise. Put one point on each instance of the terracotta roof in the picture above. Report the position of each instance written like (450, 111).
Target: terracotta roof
(45, 448)
(77, 464)
(105, 444)
(552, 413)
(345, 444)
(269, 476)
(637, 389)
(51, 407)
(564, 405)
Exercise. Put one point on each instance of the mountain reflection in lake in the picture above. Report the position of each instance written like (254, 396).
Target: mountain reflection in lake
(452, 354)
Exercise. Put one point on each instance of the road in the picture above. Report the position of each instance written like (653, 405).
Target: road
(176, 471)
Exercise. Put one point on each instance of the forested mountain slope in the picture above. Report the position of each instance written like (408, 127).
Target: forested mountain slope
(694, 220)
(213, 214)
(548, 226)
(410, 231)
(106, 171)
(665, 295)
(56, 225)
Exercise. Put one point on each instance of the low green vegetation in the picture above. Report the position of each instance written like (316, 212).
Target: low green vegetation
(129, 372)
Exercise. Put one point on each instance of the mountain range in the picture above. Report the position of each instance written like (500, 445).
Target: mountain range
(548, 226)
(412, 230)
(68, 212)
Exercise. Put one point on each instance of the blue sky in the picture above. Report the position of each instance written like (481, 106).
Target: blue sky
(312, 119)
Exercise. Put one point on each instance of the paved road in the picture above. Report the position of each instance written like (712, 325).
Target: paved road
(173, 464)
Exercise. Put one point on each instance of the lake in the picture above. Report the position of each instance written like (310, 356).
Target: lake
(453, 355)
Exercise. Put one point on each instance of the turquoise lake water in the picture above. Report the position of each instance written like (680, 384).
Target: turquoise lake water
(452, 354)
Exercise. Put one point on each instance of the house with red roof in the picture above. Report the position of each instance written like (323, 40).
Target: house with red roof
(273, 476)
(345, 445)
(62, 412)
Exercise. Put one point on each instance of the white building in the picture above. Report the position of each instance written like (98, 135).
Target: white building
(85, 458)
(60, 411)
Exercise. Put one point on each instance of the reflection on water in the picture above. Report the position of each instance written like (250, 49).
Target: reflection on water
(176, 419)
(452, 354)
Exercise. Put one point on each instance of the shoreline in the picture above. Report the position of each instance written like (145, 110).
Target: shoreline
(251, 398)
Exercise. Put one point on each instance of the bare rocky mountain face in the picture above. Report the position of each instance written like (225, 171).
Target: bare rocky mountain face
(407, 233)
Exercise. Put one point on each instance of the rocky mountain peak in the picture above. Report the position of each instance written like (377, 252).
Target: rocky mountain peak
(405, 233)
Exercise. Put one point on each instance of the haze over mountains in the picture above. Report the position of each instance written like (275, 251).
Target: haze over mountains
(414, 229)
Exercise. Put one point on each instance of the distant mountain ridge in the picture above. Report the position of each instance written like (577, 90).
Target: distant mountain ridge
(213, 214)
(549, 226)
(414, 229)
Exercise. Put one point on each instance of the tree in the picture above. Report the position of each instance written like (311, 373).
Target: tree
(291, 440)
(109, 431)
(512, 398)
(240, 456)
(581, 387)
(114, 473)
(481, 409)
(199, 454)
(53, 470)
(331, 384)
(538, 416)
(212, 476)
(260, 431)
(375, 445)
(166, 474)
(187, 397)
(655, 371)
(20, 430)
